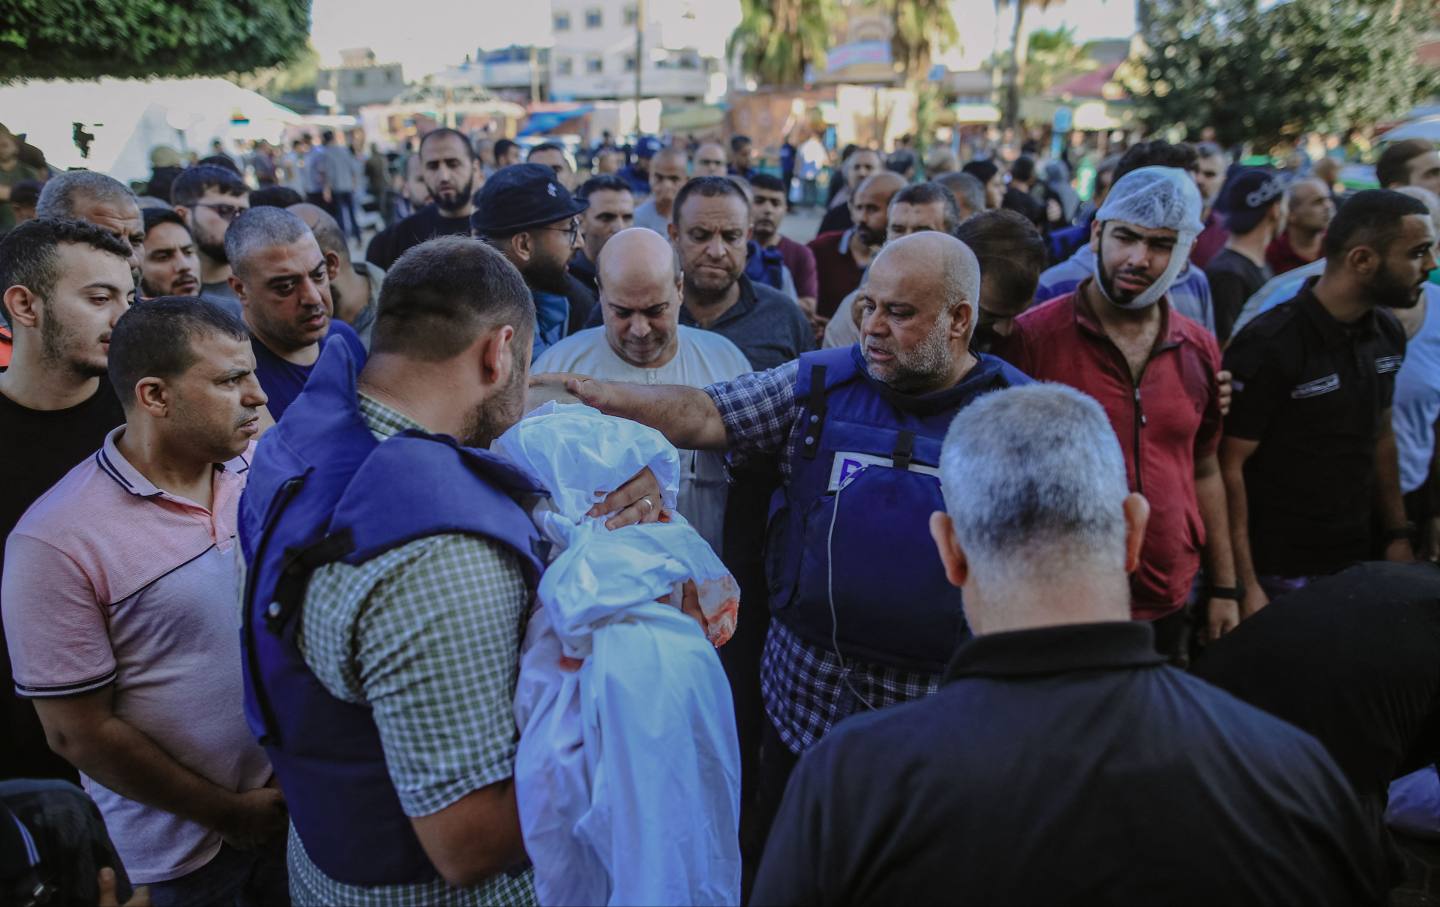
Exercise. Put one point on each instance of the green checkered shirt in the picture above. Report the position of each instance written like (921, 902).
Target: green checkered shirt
(428, 636)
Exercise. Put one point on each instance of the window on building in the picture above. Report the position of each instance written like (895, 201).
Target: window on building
(359, 79)
(561, 21)
(632, 14)
(390, 76)
(594, 18)
(629, 62)
(595, 64)
(565, 66)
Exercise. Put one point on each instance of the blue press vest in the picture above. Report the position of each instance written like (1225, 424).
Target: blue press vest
(892, 603)
(322, 490)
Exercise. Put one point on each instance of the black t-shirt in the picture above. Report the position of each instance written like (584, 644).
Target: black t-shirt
(1354, 659)
(1315, 394)
(1068, 765)
(1233, 278)
(836, 219)
(427, 223)
(39, 448)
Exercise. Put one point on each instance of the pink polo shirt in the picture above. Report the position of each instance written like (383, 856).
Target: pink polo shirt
(110, 581)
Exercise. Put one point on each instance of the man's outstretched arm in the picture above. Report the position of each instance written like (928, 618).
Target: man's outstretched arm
(686, 416)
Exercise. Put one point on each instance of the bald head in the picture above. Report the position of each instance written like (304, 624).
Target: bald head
(945, 262)
(638, 253)
(870, 206)
(885, 183)
(639, 276)
(327, 232)
(918, 306)
(1310, 205)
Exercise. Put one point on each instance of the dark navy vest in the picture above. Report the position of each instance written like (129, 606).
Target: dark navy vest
(852, 526)
(322, 490)
(764, 265)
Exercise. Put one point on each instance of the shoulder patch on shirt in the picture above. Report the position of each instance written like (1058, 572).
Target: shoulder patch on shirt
(1316, 388)
(1387, 364)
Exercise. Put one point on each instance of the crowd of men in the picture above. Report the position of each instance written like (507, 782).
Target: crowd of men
(1086, 546)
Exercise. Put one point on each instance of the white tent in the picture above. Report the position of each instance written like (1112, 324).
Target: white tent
(129, 117)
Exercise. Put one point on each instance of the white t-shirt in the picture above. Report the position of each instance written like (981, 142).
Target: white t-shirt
(842, 330)
(704, 358)
(648, 217)
(1417, 397)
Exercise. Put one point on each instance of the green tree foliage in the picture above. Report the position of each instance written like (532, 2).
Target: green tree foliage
(1265, 76)
(922, 27)
(281, 83)
(1053, 58)
(1014, 72)
(86, 39)
(778, 39)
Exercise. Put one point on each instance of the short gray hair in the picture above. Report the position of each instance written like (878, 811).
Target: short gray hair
(1034, 481)
(63, 193)
(964, 187)
(327, 231)
(261, 228)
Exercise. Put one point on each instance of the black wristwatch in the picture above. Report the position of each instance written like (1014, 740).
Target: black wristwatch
(1230, 593)
(1400, 533)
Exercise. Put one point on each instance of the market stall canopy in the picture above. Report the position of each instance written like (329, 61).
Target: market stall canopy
(547, 118)
(128, 117)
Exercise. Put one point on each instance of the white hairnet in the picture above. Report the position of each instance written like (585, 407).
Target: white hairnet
(1155, 198)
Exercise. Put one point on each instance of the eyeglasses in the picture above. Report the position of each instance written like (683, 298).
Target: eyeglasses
(224, 212)
(572, 231)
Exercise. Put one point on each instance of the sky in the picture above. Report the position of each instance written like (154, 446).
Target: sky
(438, 33)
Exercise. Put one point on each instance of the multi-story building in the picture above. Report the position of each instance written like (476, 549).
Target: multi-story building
(361, 80)
(599, 44)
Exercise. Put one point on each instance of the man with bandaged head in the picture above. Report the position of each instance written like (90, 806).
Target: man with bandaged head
(1117, 338)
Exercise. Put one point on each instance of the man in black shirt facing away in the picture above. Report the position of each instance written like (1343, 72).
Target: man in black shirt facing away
(1351, 659)
(1309, 456)
(1063, 760)
(65, 284)
(452, 174)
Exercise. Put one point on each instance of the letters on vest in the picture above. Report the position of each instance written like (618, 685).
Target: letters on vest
(850, 561)
(322, 490)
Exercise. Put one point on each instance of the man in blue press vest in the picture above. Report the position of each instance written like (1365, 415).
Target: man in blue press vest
(863, 615)
(391, 564)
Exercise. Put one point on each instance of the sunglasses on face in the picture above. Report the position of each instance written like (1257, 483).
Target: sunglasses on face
(222, 211)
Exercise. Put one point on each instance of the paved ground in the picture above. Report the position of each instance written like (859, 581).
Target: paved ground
(801, 224)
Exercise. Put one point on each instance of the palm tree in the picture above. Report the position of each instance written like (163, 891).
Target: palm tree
(921, 28)
(1011, 113)
(1052, 57)
(779, 39)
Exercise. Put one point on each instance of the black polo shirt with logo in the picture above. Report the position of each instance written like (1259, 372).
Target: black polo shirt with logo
(1314, 392)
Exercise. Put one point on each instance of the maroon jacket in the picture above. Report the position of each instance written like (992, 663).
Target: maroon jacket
(836, 272)
(1210, 241)
(1165, 423)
